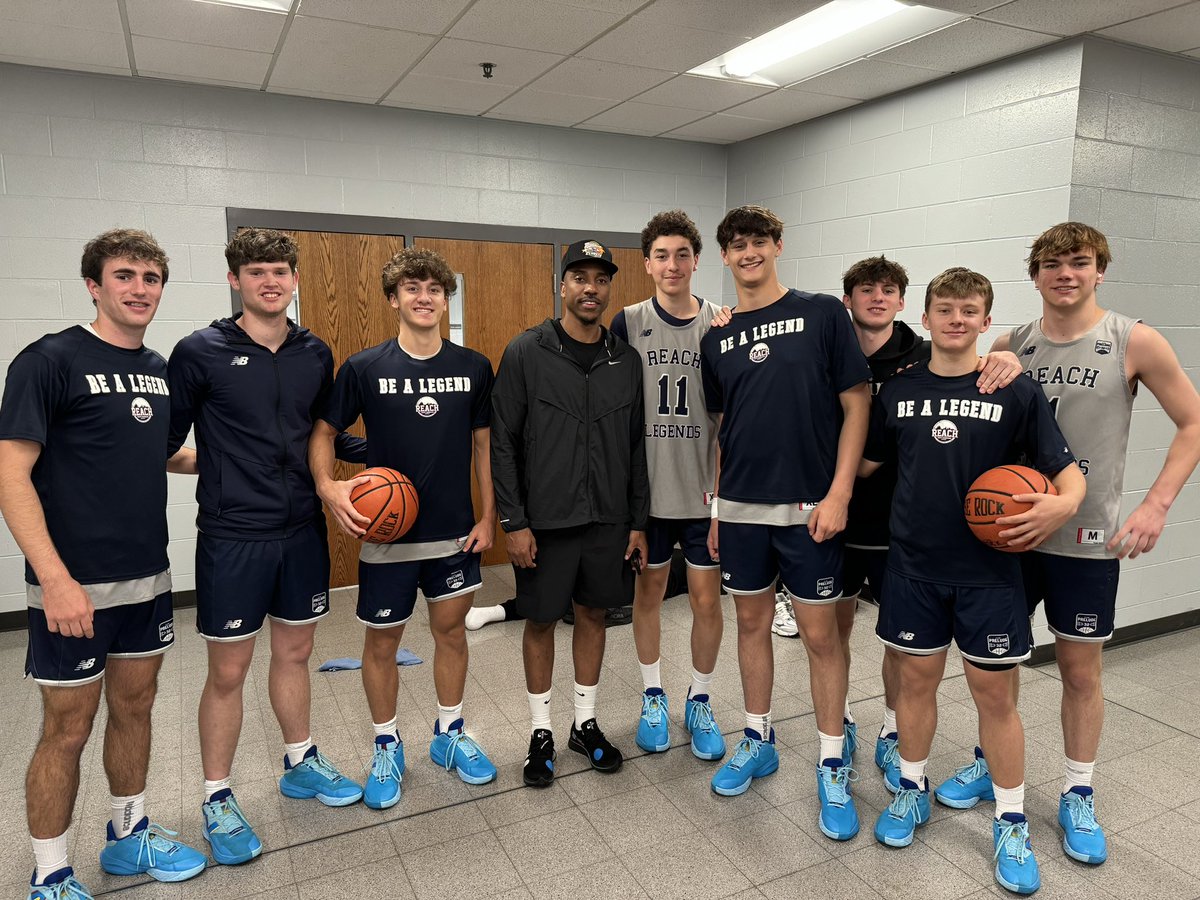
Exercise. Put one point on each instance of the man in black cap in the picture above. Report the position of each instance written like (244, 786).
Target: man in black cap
(569, 468)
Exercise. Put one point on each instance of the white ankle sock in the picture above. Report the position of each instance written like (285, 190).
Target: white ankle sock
(50, 854)
(478, 616)
(1009, 800)
(831, 746)
(585, 703)
(295, 752)
(760, 722)
(447, 716)
(212, 787)
(1078, 774)
(701, 683)
(889, 722)
(126, 812)
(651, 677)
(914, 771)
(539, 711)
(848, 715)
(386, 729)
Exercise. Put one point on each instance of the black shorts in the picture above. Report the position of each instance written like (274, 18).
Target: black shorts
(861, 564)
(387, 592)
(989, 624)
(240, 583)
(692, 536)
(131, 630)
(586, 564)
(752, 556)
(1080, 594)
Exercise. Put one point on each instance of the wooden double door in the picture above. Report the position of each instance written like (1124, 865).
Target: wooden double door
(507, 287)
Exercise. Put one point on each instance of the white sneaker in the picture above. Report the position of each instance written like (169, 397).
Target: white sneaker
(785, 618)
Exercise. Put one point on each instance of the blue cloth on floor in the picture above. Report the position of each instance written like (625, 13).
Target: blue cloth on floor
(403, 658)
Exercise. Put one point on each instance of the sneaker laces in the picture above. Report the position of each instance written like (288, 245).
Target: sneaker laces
(891, 756)
(701, 718)
(747, 750)
(471, 750)
(783, 612)
(153, 840)
(383, 764)
(1083, 812)
(837, 784)
(227, 813)
(652, 709)
(907, 800)
(968, 773)
(319, 764)
(1014, 841)
(70, 888)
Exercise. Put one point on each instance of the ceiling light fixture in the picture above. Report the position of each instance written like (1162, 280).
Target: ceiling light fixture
(274, 6)
(827, 37)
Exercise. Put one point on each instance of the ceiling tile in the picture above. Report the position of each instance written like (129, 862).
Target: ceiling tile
(624, 7)
(419, 91)
(533, 24)
(62, 47)
(1071, 17)
(206, 23)
(548, 108)
(723, 128)
(452, 58)
(212, 65)
(707, 94)
(594, 78)
(967, 7)
(749, 21)
(409, 15)
(639, 42)
(644, 118)
(964, 46)
(105, 17)
(868, 78)
(1177, 29)
(342, 58)
(790, 105)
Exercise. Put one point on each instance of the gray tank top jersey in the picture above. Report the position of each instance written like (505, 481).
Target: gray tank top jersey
(681, 444)
(1086, 385)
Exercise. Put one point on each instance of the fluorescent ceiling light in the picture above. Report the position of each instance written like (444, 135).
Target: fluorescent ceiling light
(275, 6)
(830, 36)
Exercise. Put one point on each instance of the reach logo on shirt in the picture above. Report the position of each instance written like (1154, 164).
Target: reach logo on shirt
(427, 407)
(141, 409)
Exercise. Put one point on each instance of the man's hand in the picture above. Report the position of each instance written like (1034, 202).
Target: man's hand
(481, 537)
(722, 317)
(998, 369)
(637, 541)
(68, 608)
(522, 548)
(1027, 530)
(1140, 532)
(714, 549)
(829, 518)
(336, 495)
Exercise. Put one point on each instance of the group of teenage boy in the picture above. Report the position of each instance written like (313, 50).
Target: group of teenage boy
(783, 441)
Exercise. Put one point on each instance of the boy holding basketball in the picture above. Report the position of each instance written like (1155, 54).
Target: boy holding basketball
(261, 551)
(1089, 361)
(426, 406)
(942, 583)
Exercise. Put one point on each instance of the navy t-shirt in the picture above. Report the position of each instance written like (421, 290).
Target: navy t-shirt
(101, 414)
(776, 373)
(943, 435)
(419, 415)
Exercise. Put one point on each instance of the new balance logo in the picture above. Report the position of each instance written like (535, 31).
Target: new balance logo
(383, 613)
(232, 624)
(1029, 351)
(906, 635)
(240, 361)
(647, 332)
(85, 664)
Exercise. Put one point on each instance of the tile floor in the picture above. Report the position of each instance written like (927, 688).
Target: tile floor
(654, 829)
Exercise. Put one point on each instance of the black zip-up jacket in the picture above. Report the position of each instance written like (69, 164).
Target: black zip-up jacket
(253, 411)
(568, 445)
(871, 503)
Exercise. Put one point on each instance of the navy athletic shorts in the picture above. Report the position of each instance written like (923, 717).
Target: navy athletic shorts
(1080, 594)
(752, 556)
(692, 536)
(862, 565)
(387, 592)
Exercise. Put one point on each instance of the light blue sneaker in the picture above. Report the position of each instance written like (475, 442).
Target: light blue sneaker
(60, 885)
(839, 818)
(887, 758)
(967, 786)
(653, 731)
(315, 776)
(1016, 868)
(752, 759)
(1083, 838)
(229, 835)
(849, 741)
(149, 850)
(707, 740)
(382, 790)
(453, 750)
(908, 809)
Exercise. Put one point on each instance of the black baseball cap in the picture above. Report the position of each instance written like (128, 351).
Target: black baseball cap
(588, 252)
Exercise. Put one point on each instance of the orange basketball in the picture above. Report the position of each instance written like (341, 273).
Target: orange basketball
(389, 500)
(990, 498)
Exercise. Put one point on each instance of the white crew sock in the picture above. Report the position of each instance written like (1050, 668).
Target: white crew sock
(50, 854)
(212, 787)
(447, 716)
(1009, 800)
(847, 715)
(539, 712)
(585, 703)
(889, 722)
(1078, 774)
(831, 746)
(651, 677)
(760, 722)
(478, 616)
(914, 771)
(295, 752)
(387, 729)
(127, 812)
(701, 683)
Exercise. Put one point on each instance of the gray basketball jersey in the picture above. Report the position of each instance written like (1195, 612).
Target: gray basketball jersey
(681, 435)
(1085, 383)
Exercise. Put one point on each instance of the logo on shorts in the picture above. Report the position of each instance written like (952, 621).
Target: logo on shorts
(141, 409)
(456, 580)
(319, 602)
(232, 625)
(383, 614)
(1089, 536)
(239, 361)
(427, 407)
(824, 587)
(998, 644)
(906, 636)
(166, 631)
(945, 431)
(85, 664)
(1087, 623)
(759, 352)
(1104, 347)
(725, 576)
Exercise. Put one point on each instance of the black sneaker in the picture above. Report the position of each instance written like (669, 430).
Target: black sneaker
(591, 742)
(539, 764)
